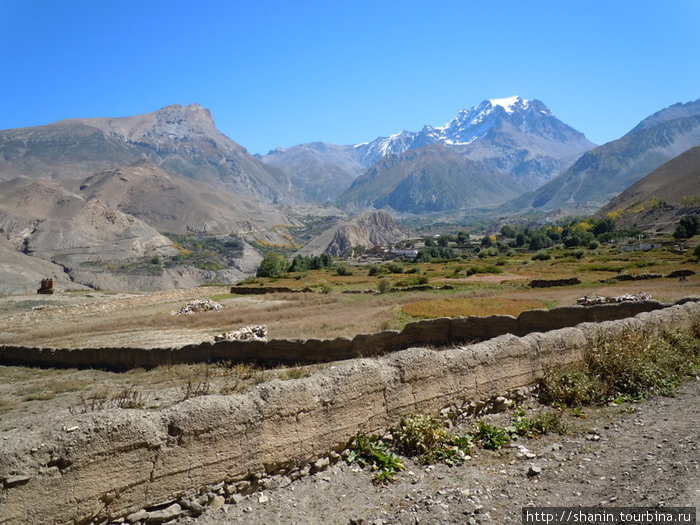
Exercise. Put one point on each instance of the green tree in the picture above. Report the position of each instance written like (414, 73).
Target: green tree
(507, 231)
(687, 226)
(272, 265)
(462, 238)
(537, 242)
(604, 226)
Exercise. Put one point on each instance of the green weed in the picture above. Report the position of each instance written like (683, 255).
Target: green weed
(431, 441)
(373, 452)
(490, 436)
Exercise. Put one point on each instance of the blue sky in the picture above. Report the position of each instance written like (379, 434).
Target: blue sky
(279, 73)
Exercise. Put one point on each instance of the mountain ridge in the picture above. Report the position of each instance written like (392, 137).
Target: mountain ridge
(603, 172)
(180, 139)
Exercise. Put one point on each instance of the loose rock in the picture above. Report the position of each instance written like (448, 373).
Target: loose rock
(199, 305)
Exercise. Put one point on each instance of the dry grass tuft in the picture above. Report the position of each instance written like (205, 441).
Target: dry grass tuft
(466, 306)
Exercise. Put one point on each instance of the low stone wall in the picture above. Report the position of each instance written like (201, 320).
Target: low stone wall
(262, 290)
(432, 332)
(105, 465)
(548, 283)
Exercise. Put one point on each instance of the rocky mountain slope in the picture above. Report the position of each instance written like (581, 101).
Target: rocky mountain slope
(658, 200)
(81, 239)
(180, 139)
(369, 229)
(430, 179)
(319, 170)
(602, 173)
(95, 195)
(21, 273)
(173, 203)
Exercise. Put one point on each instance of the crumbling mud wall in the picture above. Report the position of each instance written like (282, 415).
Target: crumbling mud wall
(433, 332)
(108, 464)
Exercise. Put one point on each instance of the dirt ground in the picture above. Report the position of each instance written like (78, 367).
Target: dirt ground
(633, 455)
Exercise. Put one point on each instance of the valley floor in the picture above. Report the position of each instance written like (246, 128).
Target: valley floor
(99, 319)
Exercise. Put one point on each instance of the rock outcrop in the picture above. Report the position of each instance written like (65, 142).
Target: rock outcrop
(369, 229)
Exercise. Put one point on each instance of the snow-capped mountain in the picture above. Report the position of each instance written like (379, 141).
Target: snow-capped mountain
(518, 129)
(514, 137)
(500, 147)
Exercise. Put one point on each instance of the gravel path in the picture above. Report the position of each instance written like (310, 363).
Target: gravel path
(633, 455)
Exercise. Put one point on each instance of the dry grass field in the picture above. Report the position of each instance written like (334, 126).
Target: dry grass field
(146, 319)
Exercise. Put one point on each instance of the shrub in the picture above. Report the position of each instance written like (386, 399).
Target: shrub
(384, 286)
(430, 440)
(571, 241)
(376, 270)
(272, 265)
(631, 366)
(395, 267)
(373, 452)
(343, 269)
(687, 226)
(484, 269)
(541, 256)
(414, 280)
(593, 245)
(428, 254)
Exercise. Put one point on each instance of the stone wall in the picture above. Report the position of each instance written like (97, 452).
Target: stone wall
(432, 332)
(111, 463)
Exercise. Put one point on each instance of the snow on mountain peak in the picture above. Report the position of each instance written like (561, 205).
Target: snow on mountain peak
(508, 103)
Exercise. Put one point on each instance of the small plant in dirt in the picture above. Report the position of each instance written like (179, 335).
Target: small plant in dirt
(129, 397)
(540, 424)
(296, 372)
(571, 389)
(430, 440)
(197, 386)
(490, 436)
(373, 452)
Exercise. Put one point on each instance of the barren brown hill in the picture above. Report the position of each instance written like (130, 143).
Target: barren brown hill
(21, 273)
(173, 203)
(93, 243)
(43, 219)
(657, 201)
(181, 139)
